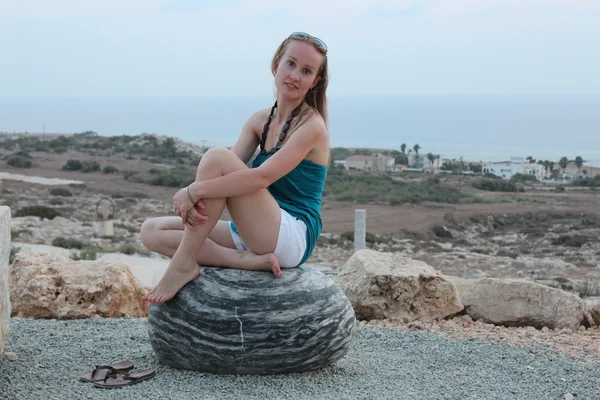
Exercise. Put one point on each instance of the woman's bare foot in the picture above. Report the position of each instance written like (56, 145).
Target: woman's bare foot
(265, 262)
(172, 281)
(273, 262)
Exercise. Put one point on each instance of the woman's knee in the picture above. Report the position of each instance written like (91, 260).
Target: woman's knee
(148, 232)
(218, 159)
(216, 155)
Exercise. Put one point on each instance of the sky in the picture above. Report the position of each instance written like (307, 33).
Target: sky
(171, 48)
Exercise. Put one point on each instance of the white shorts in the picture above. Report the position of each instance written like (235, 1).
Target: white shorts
(291, 242)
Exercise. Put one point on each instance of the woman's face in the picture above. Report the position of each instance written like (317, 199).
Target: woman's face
(297, 69)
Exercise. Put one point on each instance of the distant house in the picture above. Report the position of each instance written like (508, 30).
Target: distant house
(377, 162)
(516, 165)
(535, 169)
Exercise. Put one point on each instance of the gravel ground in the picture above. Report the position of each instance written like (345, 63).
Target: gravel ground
(382, 364)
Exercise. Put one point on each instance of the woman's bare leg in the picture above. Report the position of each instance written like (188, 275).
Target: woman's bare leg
(261, 210)
(164, 234)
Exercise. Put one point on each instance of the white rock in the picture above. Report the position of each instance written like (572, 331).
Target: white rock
(48, 286)
(387, 285)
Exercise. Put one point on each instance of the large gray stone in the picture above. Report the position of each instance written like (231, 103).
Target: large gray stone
(231, 321)
(517, 302)
(4, 290)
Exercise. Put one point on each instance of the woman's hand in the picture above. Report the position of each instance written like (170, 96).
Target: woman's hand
(189, 212)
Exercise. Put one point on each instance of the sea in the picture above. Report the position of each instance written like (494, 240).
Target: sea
(477, 128)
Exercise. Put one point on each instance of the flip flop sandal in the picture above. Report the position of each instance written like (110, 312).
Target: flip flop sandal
(127, 380)
(101, 372)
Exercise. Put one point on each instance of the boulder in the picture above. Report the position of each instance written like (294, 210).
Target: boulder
(50, 286)
(593, 307)
(389, 286)
(4, 274)
(515, 302)
(230, 321)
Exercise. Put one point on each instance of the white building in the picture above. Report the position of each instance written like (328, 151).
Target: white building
(507, 170)
(535, 169)
(377, 162)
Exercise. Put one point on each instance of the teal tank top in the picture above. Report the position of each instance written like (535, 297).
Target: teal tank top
(300, 193)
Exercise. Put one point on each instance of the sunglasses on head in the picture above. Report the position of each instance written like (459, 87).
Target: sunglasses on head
(316, 40)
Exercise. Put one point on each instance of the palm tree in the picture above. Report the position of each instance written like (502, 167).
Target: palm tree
(547, 167)
(579, 163)
(431, 158)
(403, 150)
(416, 148)
(563, 163)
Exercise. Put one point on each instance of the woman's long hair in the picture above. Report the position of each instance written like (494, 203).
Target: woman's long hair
(316, 97)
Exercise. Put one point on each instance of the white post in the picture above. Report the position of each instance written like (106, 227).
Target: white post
(107, 228)
(360, 229)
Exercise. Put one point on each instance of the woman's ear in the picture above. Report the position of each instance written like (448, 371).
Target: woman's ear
(317, 80)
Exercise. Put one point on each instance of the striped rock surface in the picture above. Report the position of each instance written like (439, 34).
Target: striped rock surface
(231, 321)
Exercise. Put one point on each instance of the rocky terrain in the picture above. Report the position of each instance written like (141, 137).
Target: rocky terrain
(540, 235)
(557, 248)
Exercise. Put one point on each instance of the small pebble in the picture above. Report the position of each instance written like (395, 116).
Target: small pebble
(11, 356)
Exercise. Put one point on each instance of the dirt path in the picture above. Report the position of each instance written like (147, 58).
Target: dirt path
(338, 217)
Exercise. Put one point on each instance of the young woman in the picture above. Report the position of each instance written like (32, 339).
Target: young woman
(275, 205)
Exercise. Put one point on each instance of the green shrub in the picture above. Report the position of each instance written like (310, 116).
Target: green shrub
(534, 231)
(61, 192)
(67, 243)
(109, 169)
(433, 180)
(90, 166)
(173, 177)
(571, 241)
(88, 253)
(504, 253)
(37, 211)
(349, 235)
(129, 175)
(481, 251)
(369, 237)
(128, 248)
(559, 189)
(18, 161)
(442, 232)
(495, 185)
(8, 144)
(594, 182)
(369, 187)
(523, 178)
(72, 165)
(55, 201)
